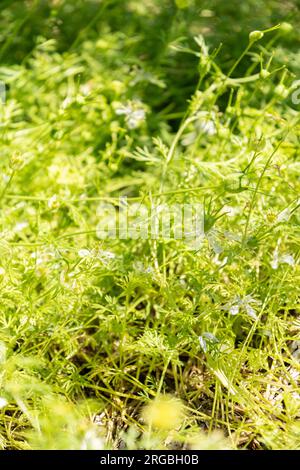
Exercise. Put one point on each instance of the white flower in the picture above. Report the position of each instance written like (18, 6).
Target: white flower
(91, 441)
(67, 102)
(84, 253)
(139, 266)
(135, 118)
(100, 254)
(134, 114)
(275, 261)
(202, 343)
(242, 304)
(219, 262)
(124, 110)
(205, 339)
(20, 226)
(234, 309)
(85, 89)
(5, 178)
(295, 349)
(232, 236)
(23, 320)
(3, 402)
(106, 254)
(208, 126)
(280, 259)
(206, 123)
(2, 352)
(284, 215)
(288, 259)
(67, 279)
(211, 237)
(230, 211)
(53, 202)
(37, 259)
(2, 271)
(43, 257)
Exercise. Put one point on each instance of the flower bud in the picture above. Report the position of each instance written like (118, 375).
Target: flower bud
(286, 27)
(53, 202)
(224, 132)
(281, 91)
(255, 36)
(230, 110)
(264, 74)
(16, 161)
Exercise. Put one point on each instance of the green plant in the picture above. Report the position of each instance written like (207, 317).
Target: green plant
(102, 333)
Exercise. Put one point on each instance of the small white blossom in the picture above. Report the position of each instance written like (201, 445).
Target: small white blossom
(288, 259)
(295, 349)
(91, 441)
(205, 339)
(5, 178)
(67, 102)
(3, 402)
(281, 259)
(232, 236)
(67, 279)
(84, 253)
(219, 262)
(230, 211)
(135, 118)
(203, 344)
(124, 110)
(139, 266)
(20, 226)
(43, 257)
(206, 123)
(284, 215)
(208, 126)
(23, 320)
(85, 89)
(275, 261)
(211, 237)
(234, 309)
(3, 351)
(99, 254)
(242, 304)
(134, 115)
(106, 254)
(53, 202)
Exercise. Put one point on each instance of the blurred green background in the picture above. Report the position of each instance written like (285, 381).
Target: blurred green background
(152, 25)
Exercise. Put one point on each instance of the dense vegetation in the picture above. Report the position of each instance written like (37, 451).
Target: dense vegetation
(149, 343)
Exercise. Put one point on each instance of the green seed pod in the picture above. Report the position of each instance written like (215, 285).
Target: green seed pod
(16, 161)
(258, 144)
(230, 110)
(281, 91)
(255, 36)
(224, 132)
(286, 27)
(264, 74)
